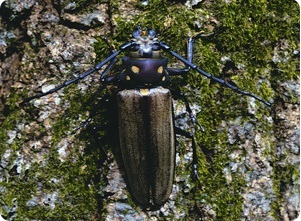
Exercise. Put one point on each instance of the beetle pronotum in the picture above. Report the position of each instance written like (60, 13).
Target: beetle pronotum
(146, 127)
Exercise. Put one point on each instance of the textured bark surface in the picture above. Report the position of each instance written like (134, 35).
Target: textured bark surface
(59, 156)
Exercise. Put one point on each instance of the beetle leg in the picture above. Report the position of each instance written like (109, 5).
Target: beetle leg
(192, 116)
(105, 39)
(177, 71)
(111, 79)
(189, 54)
(97, 67)
(108, 68)
(190, 42)
(194, 155)
(82, 125)
(86, 123)
(204, 73)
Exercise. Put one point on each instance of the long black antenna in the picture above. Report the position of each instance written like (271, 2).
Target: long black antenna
(85, 74)
(167, 48)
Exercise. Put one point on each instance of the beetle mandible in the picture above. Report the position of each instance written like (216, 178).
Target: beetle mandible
(146, 127)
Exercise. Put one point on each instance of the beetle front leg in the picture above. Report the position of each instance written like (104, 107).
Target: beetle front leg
(82, 125)
(189, 56)
(189, 135)
(111, 80)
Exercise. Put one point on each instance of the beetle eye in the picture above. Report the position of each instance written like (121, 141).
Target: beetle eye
(137, 32)
(136, 47)
(151, 33)
(155, 47)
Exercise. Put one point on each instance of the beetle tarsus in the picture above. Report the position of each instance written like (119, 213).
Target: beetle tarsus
(194, 161)
(110, 80)
(195, 173)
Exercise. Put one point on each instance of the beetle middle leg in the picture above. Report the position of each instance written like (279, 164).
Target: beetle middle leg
(189, 134)
(194, 155)
(192, 116)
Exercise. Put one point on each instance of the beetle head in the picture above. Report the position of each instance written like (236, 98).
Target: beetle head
(145, 43)
(138, 33)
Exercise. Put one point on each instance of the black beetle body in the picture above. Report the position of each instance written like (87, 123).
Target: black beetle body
(146, 127)
(144, 73)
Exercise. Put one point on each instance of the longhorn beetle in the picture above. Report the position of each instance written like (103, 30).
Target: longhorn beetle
(146, 127)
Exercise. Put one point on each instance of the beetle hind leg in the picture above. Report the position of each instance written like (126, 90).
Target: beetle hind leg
(189, 135)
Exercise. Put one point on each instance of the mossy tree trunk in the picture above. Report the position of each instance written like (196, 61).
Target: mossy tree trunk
(59, 157)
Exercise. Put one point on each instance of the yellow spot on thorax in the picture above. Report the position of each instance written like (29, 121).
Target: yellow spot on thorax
(135, 69)
(160, 70)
